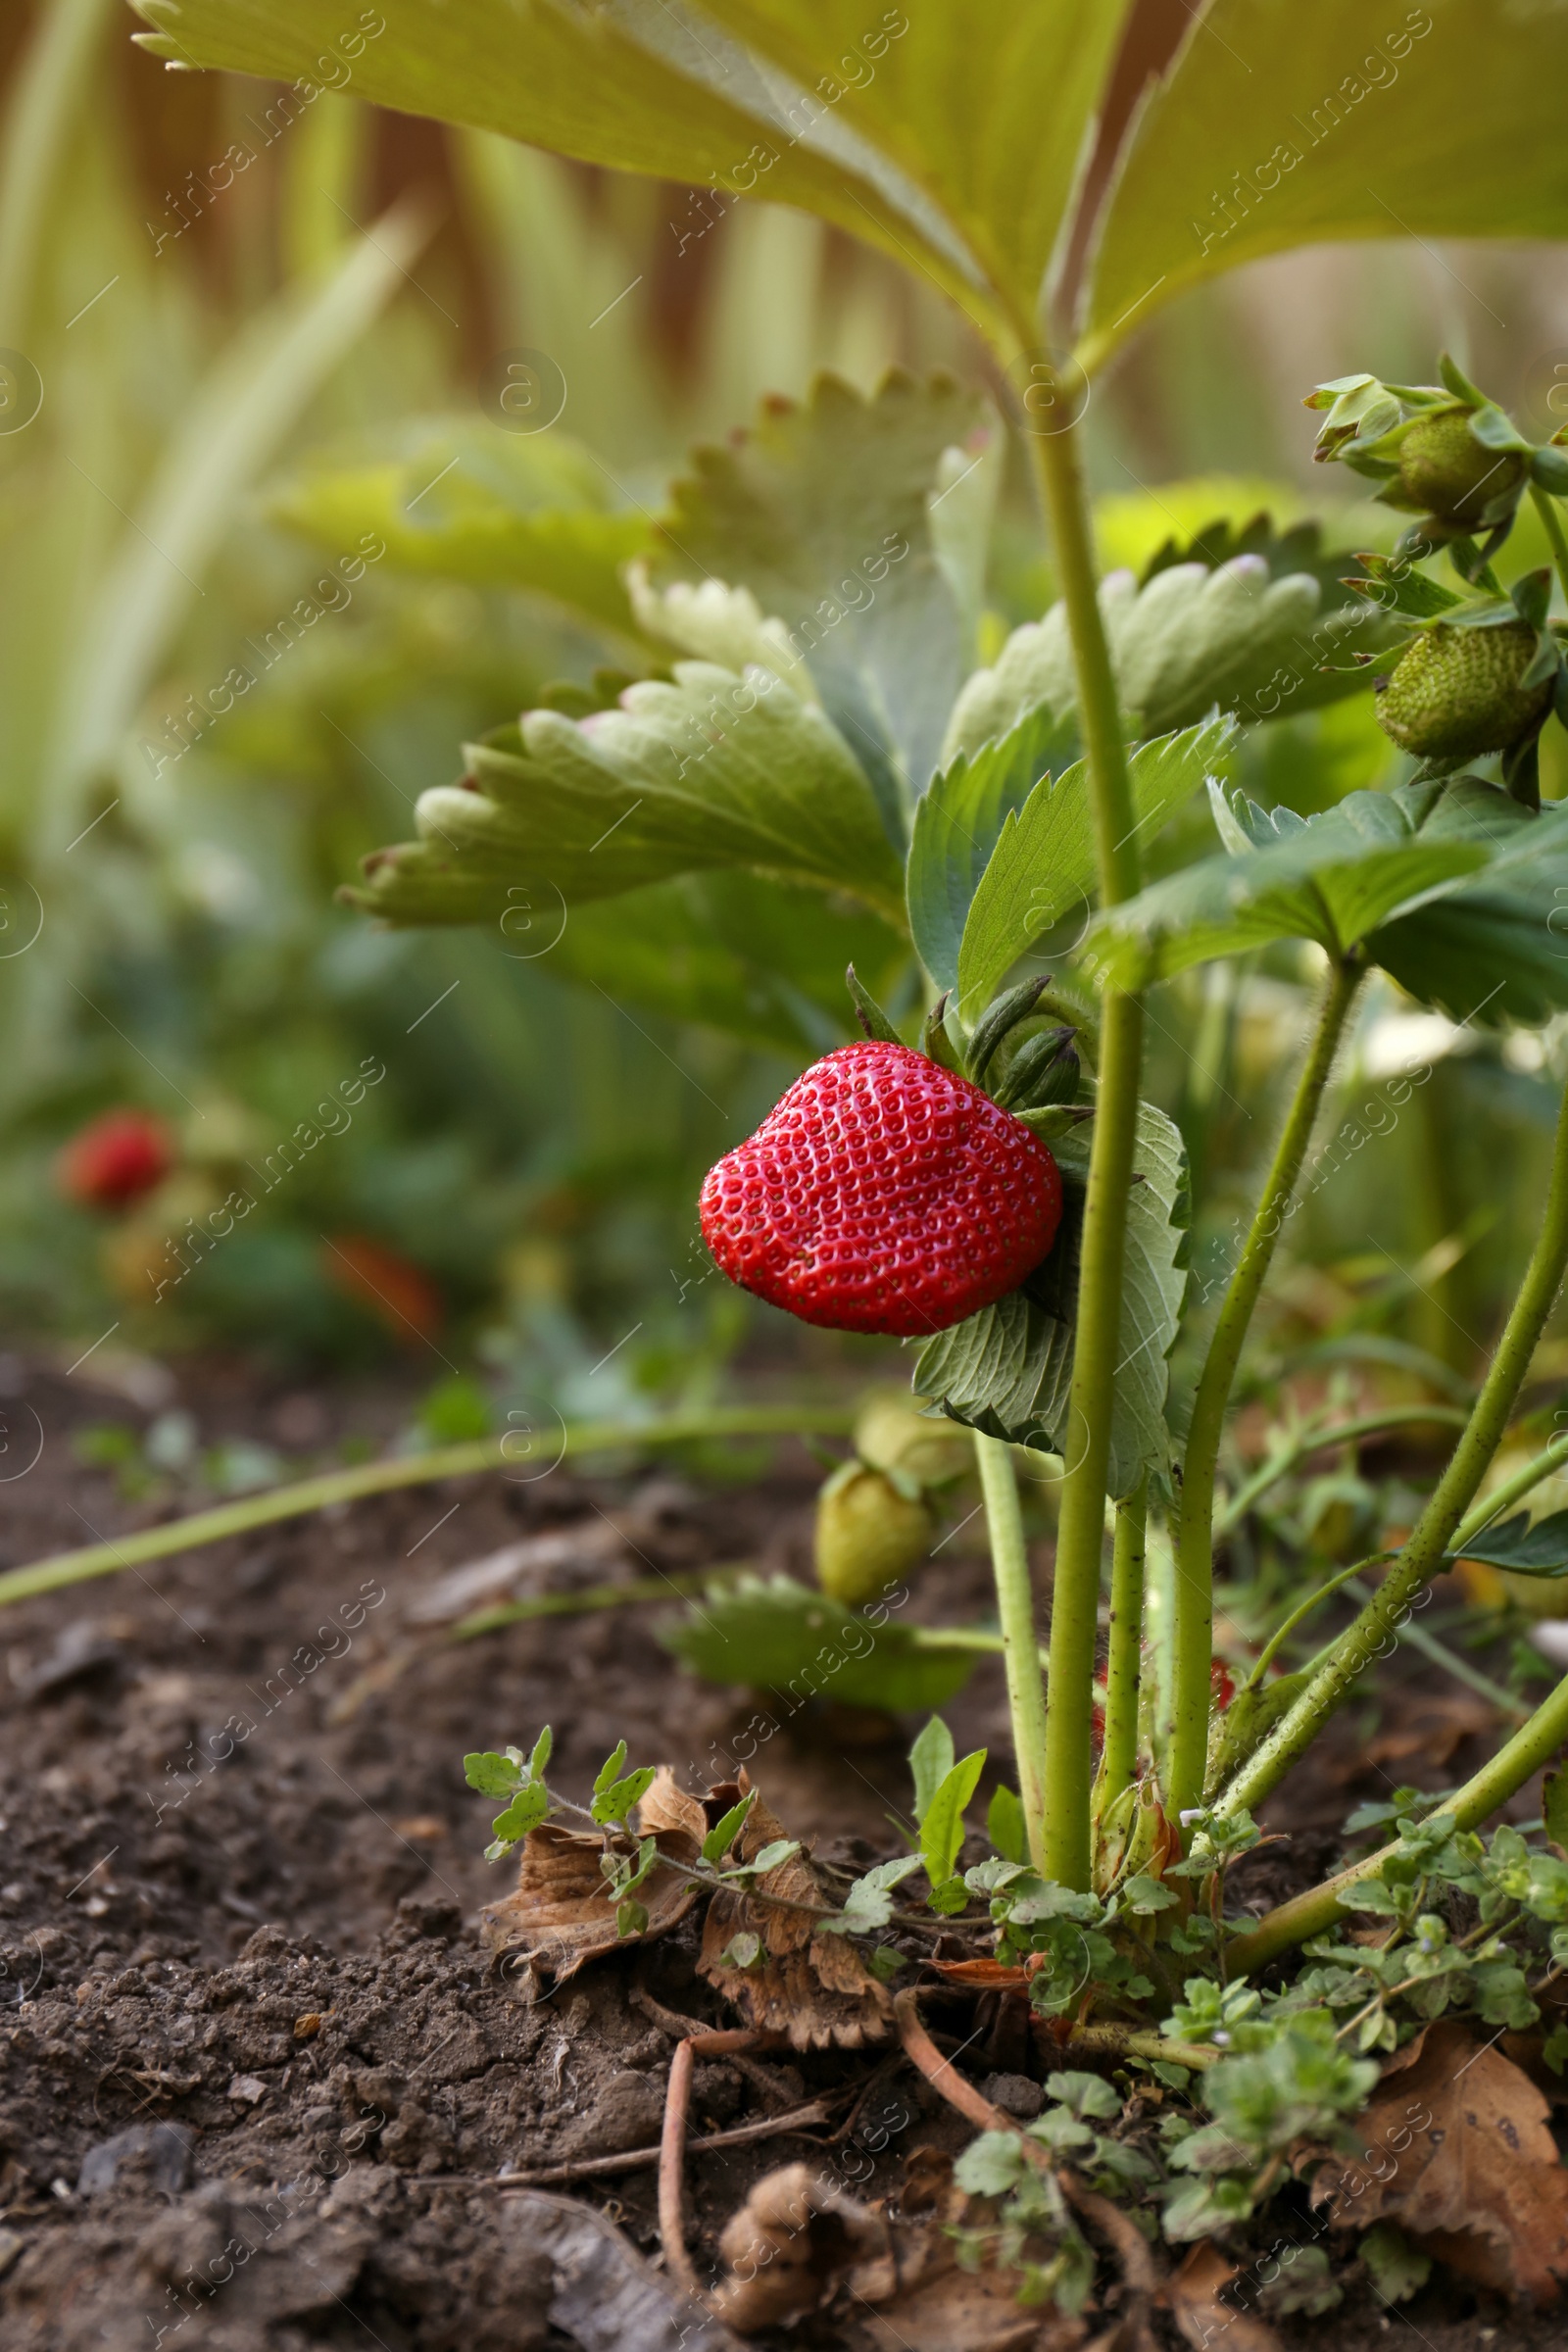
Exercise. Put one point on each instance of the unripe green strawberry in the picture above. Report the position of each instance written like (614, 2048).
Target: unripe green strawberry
(892, 1434)
(1445, 473)
(868, 1533)
(1456, 692)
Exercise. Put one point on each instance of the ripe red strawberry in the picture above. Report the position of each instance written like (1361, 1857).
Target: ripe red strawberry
(115, 1159)
(884, 1193)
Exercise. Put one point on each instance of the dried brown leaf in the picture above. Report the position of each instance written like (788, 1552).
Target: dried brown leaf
(798, 2242)
(561, 1915)
(812, 1988)
(794, 2237)
(1459, 2152)
(1193, 2299)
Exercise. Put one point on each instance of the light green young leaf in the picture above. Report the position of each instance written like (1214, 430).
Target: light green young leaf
(931, 1759)
(712, 771)
(991, 2165)
(527, 1809)
(540, 1757)
(868, 1904)
(942, 1825)
(1042, 869)
(1008, 1370)
(460, 501)
(643, 89)
(491, 1775)
(1326, 131)
(1397, 2269)
(724, 1832)
(957, 823)
(615, 1798)
(992, 128)
(721, 625)
(1005, 1826)
(1191, 637)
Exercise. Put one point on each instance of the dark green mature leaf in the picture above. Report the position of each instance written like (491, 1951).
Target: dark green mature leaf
(1281, 126)
(710, 770)
(822, 510)
(463, 501)
(1523, 1547)
(1495, 949)
(1194, 635)
(957, 823)
(1008, 1370)
(785, 1637)
(1042, 867)
(1333, 879)
(642, 88)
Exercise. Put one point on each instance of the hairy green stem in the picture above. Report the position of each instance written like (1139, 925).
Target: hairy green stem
(1375, 1630)
(412, 1470)
(1015, 1603)
(1118, 1757)
(1315, 1912)
(1080, 1537)
(1319, 1437)
(1195, 1542)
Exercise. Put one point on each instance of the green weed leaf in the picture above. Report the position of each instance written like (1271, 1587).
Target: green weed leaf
(723, 1836)
(931, 1759)
(792, 1639)
(869, 1905)
(942, 1824)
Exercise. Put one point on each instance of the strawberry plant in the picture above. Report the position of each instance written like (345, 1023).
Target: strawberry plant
(810, 766)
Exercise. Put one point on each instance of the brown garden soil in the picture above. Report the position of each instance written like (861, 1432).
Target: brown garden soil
(248, 2007)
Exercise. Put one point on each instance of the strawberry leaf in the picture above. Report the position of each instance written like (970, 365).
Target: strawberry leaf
(1524, 1546)
(1008, 1370)
(792, 1639)
(959, 821)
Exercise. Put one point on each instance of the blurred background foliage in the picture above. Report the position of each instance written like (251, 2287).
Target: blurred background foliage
(519, 1189)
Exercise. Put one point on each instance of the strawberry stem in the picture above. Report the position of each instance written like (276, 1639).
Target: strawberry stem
(1015, 1607)
(1080, 1530)
(1118, 1758)
(1375, 1630)
(1194, 1641)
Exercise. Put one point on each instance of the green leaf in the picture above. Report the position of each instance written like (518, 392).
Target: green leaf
(463, 501)
(820, 510)
(931, 1759)
(1325, 131)
(868, 1904)
(642, 90)
(1398, 2270)
(1008, 1370)
(710, 770)
(1333, 879)
(790, 1637)
(490, 1774)
(723, 1836)
(756, 959)
(768, 1857)
(1083, 2094)
(1042, 867)
(1493, 950)
(993, 129)
(957, 823)
(1522, 1546)
(525, 1812)
(1005, 1826)
(991, 2165)
(613, 1796)
(1195, 634)
(540, 1757)
(942, 1824)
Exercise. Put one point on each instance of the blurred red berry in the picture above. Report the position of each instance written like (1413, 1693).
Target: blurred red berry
(883, 1192)
(395, 1290)
(115, 1159)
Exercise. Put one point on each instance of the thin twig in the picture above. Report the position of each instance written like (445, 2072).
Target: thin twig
(637, 2160)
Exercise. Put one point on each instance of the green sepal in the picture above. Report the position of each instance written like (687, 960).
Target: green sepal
(873, 1021)
(1043, 1073)
(1015, 1004)
(1549, 470)
(936, 1040)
